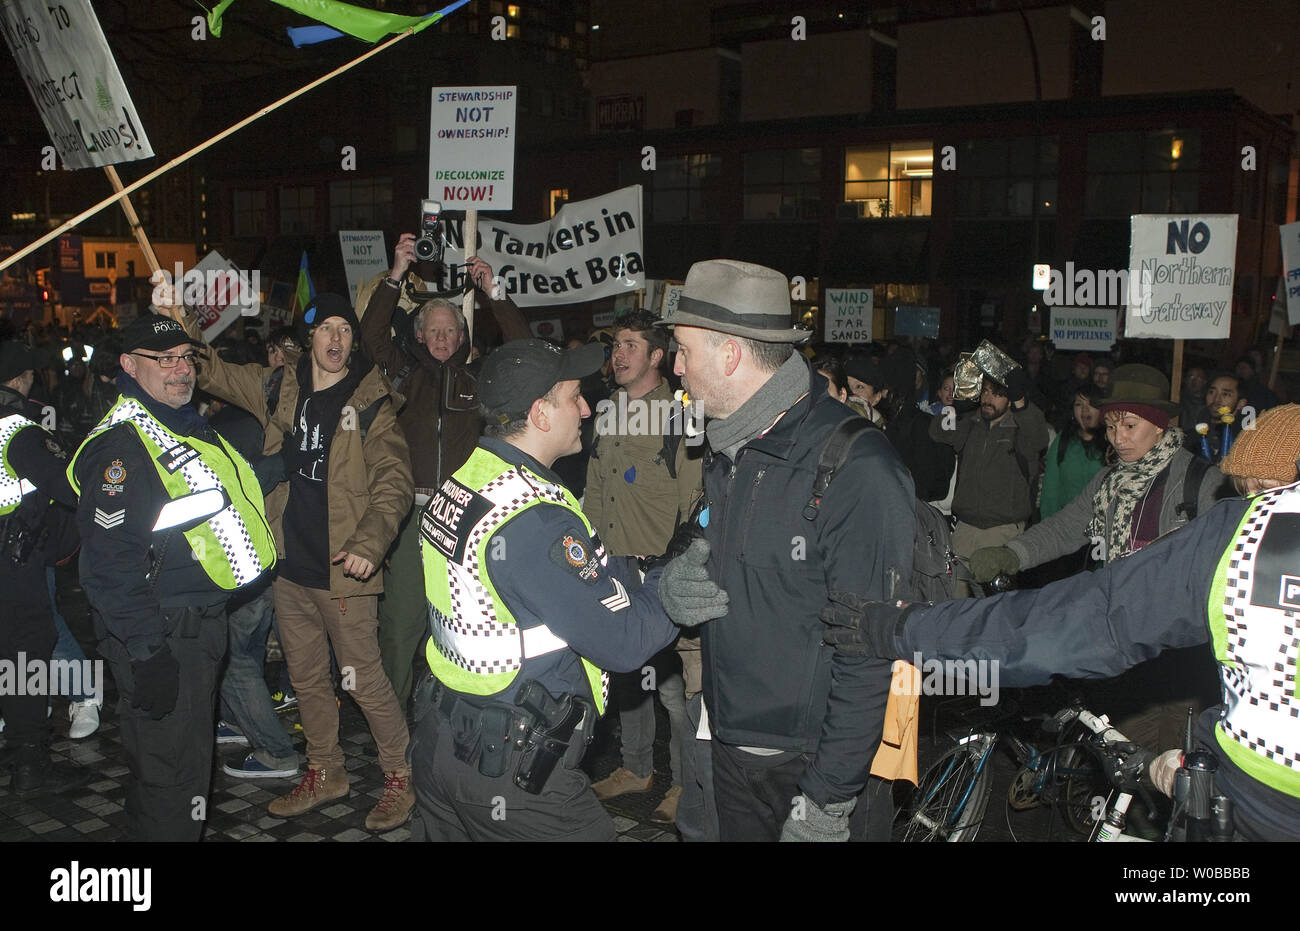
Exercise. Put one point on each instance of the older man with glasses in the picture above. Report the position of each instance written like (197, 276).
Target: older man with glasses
(172, 524)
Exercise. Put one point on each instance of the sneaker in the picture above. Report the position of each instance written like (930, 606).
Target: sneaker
(621, 782)
(254, 766)
(284, 701)
(317, 787)
(227, 733)
(666, 813)
(84, 716)
(394, 807)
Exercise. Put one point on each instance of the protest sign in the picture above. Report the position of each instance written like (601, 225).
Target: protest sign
(590, 249)
(1180, 273)
(219, 293)
(910, 320)
(472, 148)
(68, 69)
(1291, 270)
(1083, 329)
(672, 296)
(363, 256)
(548, 329)
(849, 314)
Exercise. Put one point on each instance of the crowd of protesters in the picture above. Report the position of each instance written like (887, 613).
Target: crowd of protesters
(1069, 461)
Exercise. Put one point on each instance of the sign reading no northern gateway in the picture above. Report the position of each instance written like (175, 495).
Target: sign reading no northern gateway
(68, 69)
(472, 148)
(1083, 329)
(1180, 272)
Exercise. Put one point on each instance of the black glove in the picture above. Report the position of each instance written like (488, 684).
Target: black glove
(859, 626)
(270, 471)
(157, 680)
(1017, 384)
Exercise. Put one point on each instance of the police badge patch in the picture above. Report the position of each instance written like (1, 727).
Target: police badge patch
(114, 478)
(571, 553)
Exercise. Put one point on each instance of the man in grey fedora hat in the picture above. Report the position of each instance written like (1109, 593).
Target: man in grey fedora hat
(794, 726)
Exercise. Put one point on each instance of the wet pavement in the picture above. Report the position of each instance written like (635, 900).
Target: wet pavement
(237, 807)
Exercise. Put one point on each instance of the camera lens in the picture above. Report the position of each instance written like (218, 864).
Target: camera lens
(424, 248)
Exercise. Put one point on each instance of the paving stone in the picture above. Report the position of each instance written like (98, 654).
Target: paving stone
(94, 824)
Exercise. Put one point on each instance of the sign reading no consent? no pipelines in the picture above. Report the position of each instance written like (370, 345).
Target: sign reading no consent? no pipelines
(472, 148)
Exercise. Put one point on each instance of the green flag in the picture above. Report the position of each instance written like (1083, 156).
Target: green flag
(365, 24)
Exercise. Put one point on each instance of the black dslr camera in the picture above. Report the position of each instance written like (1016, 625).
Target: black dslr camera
(428, 248)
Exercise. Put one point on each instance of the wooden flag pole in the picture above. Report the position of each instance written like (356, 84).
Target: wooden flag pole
(1277, 359)
(133, 220)
(469, 233)
(1176, 383)
(202, 146)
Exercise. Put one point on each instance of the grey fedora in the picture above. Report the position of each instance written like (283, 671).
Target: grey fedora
(737, 298)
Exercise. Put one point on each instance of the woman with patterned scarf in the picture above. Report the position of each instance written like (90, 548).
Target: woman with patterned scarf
(1125, 507)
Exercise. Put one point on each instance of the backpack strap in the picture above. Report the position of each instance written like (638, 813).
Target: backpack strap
(367, 417)
(1196, 470)
(833, 455)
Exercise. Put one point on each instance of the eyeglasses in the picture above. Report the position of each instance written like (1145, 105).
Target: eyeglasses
(169, 361)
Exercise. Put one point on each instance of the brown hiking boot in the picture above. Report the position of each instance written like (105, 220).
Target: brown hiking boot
(394, 806)
(666, 813)
(621, 782)
(318, 786)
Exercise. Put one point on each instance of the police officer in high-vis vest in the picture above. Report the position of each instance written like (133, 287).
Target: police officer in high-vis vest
(527, 616)
(1232, 576)
(36, 528)
(172, 522)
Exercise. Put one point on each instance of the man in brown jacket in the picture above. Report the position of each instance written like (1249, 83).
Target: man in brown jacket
(441, 424)
(349, 487)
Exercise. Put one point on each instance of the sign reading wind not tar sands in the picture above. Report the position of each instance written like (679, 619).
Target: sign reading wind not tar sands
(66, 64)
(589, 249)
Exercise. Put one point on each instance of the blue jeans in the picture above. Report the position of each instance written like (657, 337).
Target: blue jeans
(245, 701)
(636, 715)
(66, 647)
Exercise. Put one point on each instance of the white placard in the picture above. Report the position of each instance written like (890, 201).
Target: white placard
(552, 328)
(220, 294)
(849, 314)
(1083, 329)
(1291, 270)
(472, 147)
(1180, 273)
(363, 257)
(68, 69)
(672, 297)
(590, 249)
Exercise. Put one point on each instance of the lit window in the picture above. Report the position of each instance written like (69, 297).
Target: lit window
(513, 11)
(512, 31)
(889, 180)
(557, 198)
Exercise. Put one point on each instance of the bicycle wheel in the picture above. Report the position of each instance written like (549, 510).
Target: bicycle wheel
(950, 801)
(1081, 780)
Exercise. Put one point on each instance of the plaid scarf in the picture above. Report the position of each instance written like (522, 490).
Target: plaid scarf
(1123, 486)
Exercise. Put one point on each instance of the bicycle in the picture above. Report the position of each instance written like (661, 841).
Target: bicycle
(951, 799)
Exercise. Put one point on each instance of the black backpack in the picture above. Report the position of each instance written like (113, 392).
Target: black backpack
(936, 570)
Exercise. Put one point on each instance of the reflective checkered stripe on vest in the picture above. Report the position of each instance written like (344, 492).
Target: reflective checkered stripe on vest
(1254, 621)
(12, 488)
(476, 645)
(234, 545)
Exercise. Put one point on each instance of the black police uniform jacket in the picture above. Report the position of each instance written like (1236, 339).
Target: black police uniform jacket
(768, 679)
(38, 457)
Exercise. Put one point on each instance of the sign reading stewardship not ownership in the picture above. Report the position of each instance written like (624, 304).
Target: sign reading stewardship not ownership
(472, 148)
(849, 313)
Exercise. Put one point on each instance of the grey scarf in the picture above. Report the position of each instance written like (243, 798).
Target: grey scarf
(786, 386)
(1124, 486)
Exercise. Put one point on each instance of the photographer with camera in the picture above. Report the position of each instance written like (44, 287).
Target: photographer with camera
(426, 355)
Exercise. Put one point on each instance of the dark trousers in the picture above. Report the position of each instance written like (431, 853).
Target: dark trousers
(755, 797)
(27, 635)
(171, 759)
(455, 802)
